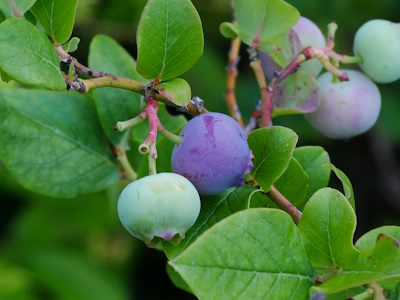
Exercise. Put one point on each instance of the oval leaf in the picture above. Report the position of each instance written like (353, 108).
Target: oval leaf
(293, 184)
(269, 259)
(112, 104)
(313, 159)
(347, 186)
(24, 5)
(56, 17)
(380, 263)
(6, 8)
(176, 90)
(169, 39)
(28, 56)
(297, 94)
(71, 45)
(53, 144)
(229, 30)
(21, 5)
(272, 149)
(285, 48)
(213, 209)
(369, 239)
(327, 227)
(264, 19)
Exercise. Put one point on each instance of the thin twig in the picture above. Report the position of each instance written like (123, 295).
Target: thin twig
(284, 204)
(232, 74)
(266, 94)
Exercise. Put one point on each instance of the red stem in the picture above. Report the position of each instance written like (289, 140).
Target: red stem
(154, 123)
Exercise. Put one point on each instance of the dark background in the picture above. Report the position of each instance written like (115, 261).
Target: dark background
(76, 248)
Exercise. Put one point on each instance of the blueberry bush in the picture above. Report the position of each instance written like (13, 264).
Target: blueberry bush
(235, 201)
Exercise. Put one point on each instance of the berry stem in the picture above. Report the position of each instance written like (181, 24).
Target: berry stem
(284, 204)
(266, 94)
(330, 40)
(154, 122)
(254, 119)
(108, 80)
(176, 139)
(16, 11)
(232, 74)
(99, 79)
(124, 125)
(367, 294)
(128, 171)
(333, 271)
(377, 291)
(152, 164)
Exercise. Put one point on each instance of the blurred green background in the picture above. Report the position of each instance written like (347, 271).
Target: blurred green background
(77, 249)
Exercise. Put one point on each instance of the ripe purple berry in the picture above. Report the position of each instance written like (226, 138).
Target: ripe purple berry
(214, 154)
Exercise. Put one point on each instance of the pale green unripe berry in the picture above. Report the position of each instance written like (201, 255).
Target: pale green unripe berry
(377, 42)
(159, 206)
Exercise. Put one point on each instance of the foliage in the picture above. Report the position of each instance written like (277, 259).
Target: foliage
(287, 233)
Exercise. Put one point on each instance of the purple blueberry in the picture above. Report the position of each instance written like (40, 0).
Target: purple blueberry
(214, 154)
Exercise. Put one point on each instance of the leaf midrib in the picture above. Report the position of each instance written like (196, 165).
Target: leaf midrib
(297, 275)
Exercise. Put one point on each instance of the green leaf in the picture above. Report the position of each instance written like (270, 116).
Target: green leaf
(281, 49)
(28, 56)
(213, 209)
(293, 184)
(327, 227)
(56, 17)
(272, 148)
(112, 104)
(260, 199)
(347, 187)
(6, 8)
(21, 5)
(169, 39)
(312, 159)
(24, 5)
(297, 94)
(229, 30)
(176, 90)
(253, 254)
(53, 144)
(261, 20)
(5, 77)
(177, 279)
(369, 239)
(71, 45)
(377, 264)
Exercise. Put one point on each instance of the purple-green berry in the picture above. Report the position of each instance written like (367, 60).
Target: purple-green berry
(347, 108)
